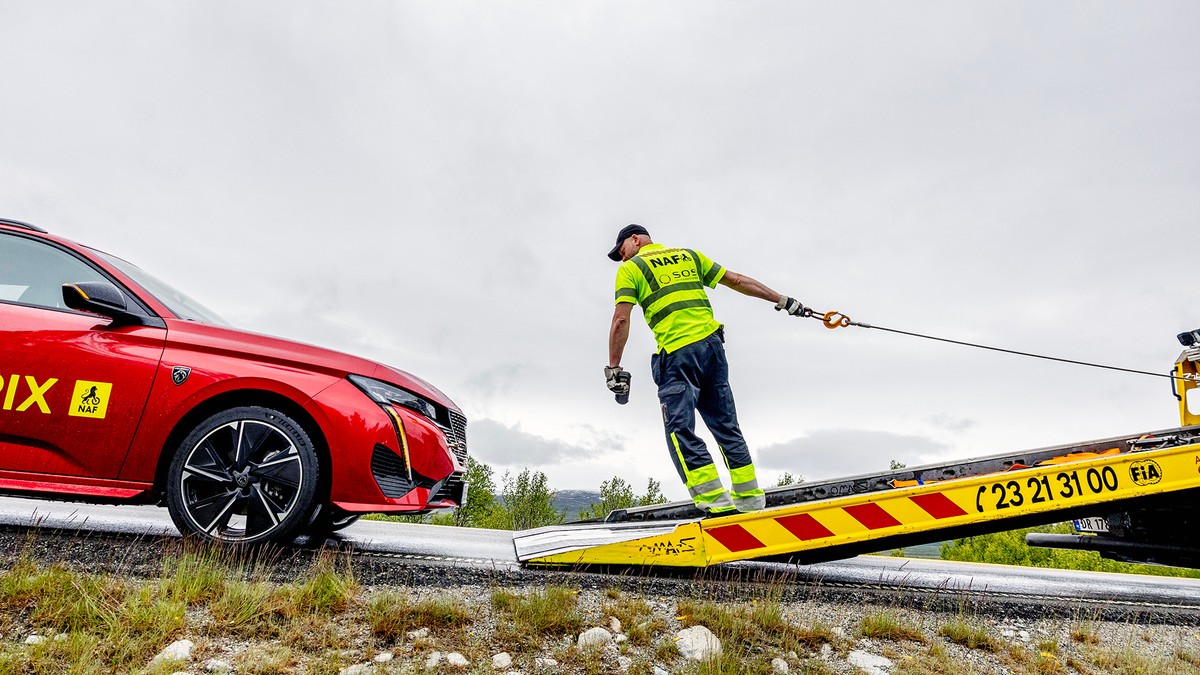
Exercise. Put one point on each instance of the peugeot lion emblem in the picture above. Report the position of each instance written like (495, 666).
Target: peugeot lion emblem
(179, 374)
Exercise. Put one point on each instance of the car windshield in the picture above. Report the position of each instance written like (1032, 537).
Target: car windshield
(180, 305)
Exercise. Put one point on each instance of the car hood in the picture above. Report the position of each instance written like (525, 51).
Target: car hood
(268, 348)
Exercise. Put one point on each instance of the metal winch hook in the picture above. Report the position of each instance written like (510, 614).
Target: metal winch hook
(835, 320)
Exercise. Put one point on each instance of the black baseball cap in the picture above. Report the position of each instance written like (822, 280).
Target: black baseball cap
(625, 233)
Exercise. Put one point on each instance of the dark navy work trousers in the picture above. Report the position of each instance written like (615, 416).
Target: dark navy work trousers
(695, 379)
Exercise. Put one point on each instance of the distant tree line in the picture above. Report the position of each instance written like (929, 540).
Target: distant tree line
(525, 500)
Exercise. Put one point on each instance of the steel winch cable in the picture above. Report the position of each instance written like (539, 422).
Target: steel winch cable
(836, 319)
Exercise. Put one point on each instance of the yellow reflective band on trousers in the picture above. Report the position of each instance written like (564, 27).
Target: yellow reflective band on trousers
(746, 494)
(704, 484)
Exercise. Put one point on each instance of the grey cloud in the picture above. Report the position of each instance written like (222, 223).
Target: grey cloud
(828, 453)
(951, 423)
(601, 441)
(495, 381)
(496, 443)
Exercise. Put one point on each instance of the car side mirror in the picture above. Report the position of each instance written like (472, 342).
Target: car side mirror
(98, 297)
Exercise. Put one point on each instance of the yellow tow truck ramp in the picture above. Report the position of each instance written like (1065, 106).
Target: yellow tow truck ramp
(1061, 487)
(1155, 473)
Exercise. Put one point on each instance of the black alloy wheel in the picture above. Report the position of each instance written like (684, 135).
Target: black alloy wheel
(243, 476)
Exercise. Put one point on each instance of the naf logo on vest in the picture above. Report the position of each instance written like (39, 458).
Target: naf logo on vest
(26, 393)
(662, 261)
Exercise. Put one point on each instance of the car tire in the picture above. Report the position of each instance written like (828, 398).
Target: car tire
(242, 476)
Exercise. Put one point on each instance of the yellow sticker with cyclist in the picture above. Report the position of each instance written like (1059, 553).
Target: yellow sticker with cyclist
(90, 399)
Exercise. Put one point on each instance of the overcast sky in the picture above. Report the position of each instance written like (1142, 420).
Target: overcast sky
(435, 185)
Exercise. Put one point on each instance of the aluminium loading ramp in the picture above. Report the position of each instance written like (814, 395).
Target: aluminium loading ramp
(844, 517)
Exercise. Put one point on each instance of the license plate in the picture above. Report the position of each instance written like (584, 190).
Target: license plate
(1090, 525)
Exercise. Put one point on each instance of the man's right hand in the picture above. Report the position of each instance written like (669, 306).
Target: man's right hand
(617, 380)
(791, 306)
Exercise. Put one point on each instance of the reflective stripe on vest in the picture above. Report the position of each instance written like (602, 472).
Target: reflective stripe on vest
(658, 291)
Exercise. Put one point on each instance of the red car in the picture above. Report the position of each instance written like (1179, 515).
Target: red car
(115, 387)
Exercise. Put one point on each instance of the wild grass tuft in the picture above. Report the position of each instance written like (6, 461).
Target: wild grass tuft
(972, 637)
(933, 661)
(749, 630)
(391, 614)
(637, 618)
(887, 625)
(326, 589)
(527, 617)
(1084, 633)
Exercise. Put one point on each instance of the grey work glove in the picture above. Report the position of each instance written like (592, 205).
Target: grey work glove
(791, 306)
(617, 379)
(618, 382)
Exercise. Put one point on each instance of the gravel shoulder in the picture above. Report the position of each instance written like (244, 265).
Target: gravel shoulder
(841, 630)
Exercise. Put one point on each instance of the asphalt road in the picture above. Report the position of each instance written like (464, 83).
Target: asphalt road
(428, 545)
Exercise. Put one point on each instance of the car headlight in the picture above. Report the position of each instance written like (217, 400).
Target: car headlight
(388, 394)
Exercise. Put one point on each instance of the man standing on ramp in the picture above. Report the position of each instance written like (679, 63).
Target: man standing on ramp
(690, 367)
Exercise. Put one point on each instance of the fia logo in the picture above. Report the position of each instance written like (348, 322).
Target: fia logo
(90, 399)
(179, 374)
(1145, 472)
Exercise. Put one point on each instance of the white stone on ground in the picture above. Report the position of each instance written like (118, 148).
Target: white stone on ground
(872, 664)
(217, 666)
(545, 663)
(179, 650)
(418, 634)
(457, 660)
(384, 657)
(356, 669)
(502, 661)
(624, 663)
(594, 637)
(614, 624)
(433, 660)
(697, 643)
(779, 666)
(35, 639)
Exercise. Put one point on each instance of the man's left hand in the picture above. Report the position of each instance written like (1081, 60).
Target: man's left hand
(791, 306)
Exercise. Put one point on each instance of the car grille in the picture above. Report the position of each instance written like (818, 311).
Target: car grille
(390, 473)
(456, 437)
(450, 490)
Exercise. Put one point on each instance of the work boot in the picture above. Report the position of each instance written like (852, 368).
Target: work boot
(717, 502)
(753, 502)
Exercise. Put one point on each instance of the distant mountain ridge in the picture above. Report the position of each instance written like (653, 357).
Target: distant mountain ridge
(573, 501)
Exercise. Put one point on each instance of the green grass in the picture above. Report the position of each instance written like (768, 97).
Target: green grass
(636, 616)
(972, 637)
(527, 617)
(750, 631)
(887, 625)
(392, 614)
(109, 624)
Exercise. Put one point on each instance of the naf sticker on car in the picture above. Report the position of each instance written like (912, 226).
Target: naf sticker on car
(23, 393)
(90, 399)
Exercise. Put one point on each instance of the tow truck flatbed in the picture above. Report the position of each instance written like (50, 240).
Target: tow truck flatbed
(840, 518)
